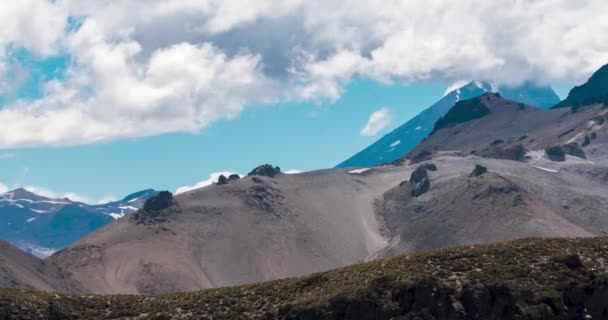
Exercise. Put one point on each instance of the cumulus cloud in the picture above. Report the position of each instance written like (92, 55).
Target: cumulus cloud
(3, 188)
(141, 68)
(455, 85)
(377, 121)
(45, 192)
(293, 171)
(211, 180)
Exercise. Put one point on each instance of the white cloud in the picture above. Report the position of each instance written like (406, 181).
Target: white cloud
(211, 180)
(455, 85)
(45, 192)
(377, 121)
(143, 68)
(106, 199)
(293, 171)
(3, 188)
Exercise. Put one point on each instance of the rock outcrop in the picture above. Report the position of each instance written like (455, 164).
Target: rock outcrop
(161, 201)
(479, 170)
(265, 170)
(555, 153)
(418, 174)
(421, 187)
(573, 149)
(515, 153)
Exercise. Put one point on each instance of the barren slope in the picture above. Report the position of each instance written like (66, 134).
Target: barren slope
(19, 269)
(292, 225)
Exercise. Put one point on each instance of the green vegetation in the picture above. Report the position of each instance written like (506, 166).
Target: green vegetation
(530, 278)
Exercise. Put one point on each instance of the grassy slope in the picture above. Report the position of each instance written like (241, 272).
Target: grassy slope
(536, 273)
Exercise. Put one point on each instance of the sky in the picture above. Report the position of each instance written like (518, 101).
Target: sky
(99, 99)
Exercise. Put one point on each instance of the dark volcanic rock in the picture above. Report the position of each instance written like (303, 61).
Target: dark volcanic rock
(515, 153)
(421, 187)
(161, 201)
(222, 180)
(233, 177)
(479, 170)
(497, 142)
(423, 155)
(265, 170)
(574, 150)
(463, 111)
(586, 141)
(430, 166)
(555, 153)
(593, 136)
(418, 174)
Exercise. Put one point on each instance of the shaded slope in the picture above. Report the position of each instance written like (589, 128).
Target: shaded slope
(524, 279)
(475, 124)
(19, 269)
(407, 136)
(401, 140)
(595, 90)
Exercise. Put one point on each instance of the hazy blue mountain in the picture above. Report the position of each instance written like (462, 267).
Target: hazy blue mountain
(42, 225)
(401, 140)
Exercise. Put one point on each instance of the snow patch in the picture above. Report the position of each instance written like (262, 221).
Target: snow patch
(358, 171)
(37, 211)
(116, 215)
(396, 143)
(545, 169)
(30, 220)
(133, 200)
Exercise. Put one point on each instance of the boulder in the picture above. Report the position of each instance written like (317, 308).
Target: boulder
(497, 142)
(430, 166)
(421, 187)
(593, 135)
(234, 177)
(479, 170)
(574, 150)
(265, 170)
(161, 201)
(515, 153)
(555, 153)
(221, 180)
(586, 141)
(418, 174)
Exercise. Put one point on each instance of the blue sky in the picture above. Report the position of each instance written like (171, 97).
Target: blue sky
(100, 99)
(302, 136)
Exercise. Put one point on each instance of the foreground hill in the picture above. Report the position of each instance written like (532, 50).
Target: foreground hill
(524, 279)
(19, 269)
(263, 228)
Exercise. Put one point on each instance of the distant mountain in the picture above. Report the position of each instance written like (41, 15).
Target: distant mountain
(42, 225)
(401, 140)
(595, 90)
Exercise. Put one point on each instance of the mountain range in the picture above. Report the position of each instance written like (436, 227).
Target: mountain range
(42, 225)
(489, 170)
(401, 140)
